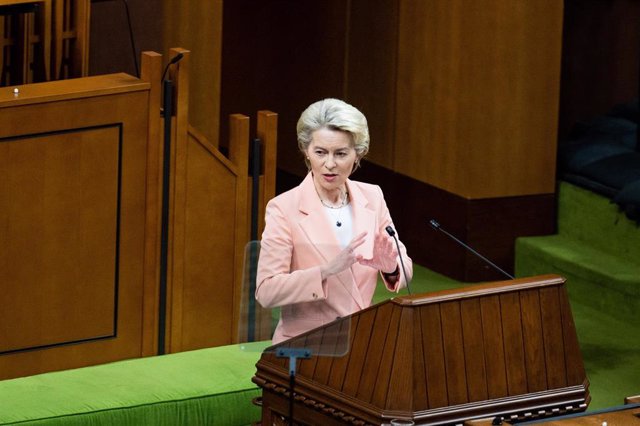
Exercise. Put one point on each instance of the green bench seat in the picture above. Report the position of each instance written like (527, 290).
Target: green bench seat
(202, 387)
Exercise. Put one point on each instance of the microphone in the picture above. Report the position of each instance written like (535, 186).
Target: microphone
(173, 60)
(392, 233)
(437, 227)
(167, 86)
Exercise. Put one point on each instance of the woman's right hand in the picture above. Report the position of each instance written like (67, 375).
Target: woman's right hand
(345, 258)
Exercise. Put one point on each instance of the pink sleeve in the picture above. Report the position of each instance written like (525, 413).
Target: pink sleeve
(276, 283)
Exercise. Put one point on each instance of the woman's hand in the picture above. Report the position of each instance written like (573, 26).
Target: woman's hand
(345, 258)
(384, 255)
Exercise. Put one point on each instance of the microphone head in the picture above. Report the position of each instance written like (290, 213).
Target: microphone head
(177, 58)
(434, 223)
(390, 231)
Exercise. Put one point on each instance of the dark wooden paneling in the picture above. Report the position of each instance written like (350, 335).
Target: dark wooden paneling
(453, 344)
(340, 365)
(402, 371)
(333, 350)
(474, 350)
(534, 346)
(513, 344)
(372, 48)
(494, 346)
(381, 391)
(552, 335)
(373, 360)
(600, 59)
(419, 361)
(434, 356)
(110, 47)
(292, 54)
(358, 353)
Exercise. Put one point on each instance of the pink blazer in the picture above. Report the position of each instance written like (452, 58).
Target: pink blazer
(298, 238)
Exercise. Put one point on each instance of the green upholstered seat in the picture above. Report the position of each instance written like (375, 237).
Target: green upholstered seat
(202, 387)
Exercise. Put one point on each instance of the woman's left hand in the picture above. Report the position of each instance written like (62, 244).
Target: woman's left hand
(384, 255)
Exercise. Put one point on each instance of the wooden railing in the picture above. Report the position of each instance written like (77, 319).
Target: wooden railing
(210, 221)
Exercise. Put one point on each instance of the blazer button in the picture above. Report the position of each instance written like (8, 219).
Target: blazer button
(315, 296)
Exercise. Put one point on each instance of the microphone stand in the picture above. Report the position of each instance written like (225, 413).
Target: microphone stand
(167, 114)
(293, 354)
(392, 233)
(438, 227)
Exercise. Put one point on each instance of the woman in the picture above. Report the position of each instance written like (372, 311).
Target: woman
(324, 242)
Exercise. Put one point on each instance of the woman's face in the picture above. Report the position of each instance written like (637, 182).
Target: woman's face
(332, 157)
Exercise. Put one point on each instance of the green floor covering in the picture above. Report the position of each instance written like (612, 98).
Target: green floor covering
(597, 249)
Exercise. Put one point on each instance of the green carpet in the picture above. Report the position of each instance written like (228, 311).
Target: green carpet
(597, 249)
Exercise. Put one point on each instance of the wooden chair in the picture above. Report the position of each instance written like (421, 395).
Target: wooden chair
(33, 34)
(45, 40)
(71, 38)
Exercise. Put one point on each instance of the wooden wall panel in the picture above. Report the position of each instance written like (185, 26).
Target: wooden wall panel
(477, 98)
(196, 25)
(371, 69)
(60, 214)
(210, 246)
(282, 56)
(80, 229)
(600, 59)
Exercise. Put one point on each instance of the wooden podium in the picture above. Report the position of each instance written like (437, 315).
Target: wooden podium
(504, 348)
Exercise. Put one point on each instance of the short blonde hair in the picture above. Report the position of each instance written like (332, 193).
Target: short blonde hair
(333, 114)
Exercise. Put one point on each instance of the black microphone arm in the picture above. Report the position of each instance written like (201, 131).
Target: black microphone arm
(438, 227)
(173, 60)
(392, 233)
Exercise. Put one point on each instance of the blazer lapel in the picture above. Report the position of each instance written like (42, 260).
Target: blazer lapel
(315, 224)
(364, 219)
(323, 238)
